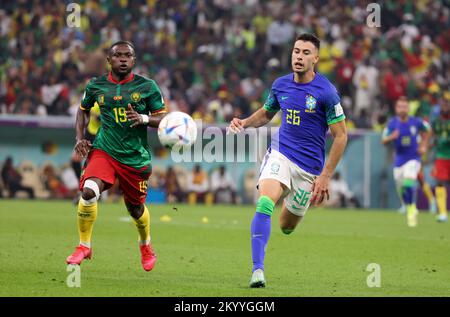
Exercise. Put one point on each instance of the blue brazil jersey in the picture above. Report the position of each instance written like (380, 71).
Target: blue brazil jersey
(408, 141)
(307, 111)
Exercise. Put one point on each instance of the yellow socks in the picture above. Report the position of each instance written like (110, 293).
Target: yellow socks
(411, 215)
(143, 226)
(428, 192)
(441, 199)
(411, 209)
(87, 213)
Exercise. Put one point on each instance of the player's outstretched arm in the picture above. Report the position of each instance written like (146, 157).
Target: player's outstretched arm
(320, 186)
(258, 119)
(83, 146)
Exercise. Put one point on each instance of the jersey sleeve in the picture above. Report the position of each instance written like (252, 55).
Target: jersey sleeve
(333, 108)
(388, 129)
(88, 100)
(271, 104)
(155, 102)
(424, 126)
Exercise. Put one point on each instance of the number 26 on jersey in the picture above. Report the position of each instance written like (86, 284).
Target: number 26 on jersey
(292, 116)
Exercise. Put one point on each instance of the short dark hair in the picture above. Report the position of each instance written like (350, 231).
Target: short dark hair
(308, 37)
(120, 43)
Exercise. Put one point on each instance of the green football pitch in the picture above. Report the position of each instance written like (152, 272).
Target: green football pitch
(205, 251)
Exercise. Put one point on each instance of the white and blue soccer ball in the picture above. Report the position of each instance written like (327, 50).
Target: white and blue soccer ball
(177, 130)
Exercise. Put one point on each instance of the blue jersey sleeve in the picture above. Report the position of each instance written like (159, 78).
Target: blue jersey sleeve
(389, 128)
(333, 108)
(271, 104)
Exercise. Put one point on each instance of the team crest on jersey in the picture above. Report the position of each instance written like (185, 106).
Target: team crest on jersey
(310, 104)
(101, 100)
(275, 167)
(135, 96)
(413, 130)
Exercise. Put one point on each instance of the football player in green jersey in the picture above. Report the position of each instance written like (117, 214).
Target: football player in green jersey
(129, 103)
(441, 171)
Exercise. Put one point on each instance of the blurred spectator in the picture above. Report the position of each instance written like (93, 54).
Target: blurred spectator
(12, 180)
(344, 74)
(394, 84)
(220, 108)
(279, 35)
(409, 32)
(26, 102)
(109, 33)
(223, 186)
(340, 194)
(363, 121)
(252, 86)
(261, 23)
(365, 80)
(53, 183)
(70, 181)
(198, 186)
(172, 186)
(50, 93)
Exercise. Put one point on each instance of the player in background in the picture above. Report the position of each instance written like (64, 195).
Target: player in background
(120, 149)
(423, 184)
(426, 188)
(441, 170)
(293, 167)
(404, 131)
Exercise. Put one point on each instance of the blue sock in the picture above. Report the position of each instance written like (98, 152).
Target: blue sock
(260, 233)
(409, 195)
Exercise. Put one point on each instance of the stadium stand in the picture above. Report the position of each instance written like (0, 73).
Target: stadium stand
(200, 51)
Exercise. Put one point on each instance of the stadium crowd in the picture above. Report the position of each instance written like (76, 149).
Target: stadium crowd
(216, 59)
(174, 184)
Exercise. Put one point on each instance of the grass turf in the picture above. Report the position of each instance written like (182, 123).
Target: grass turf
(326, 256)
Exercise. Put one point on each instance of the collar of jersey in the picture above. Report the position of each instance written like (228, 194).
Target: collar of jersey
(309, 82)
(123, 81)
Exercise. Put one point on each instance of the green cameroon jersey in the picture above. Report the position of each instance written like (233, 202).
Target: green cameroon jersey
(115, 136)
(441, 129)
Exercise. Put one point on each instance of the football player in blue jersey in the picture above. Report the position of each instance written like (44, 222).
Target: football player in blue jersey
(293, 167)
(410, 136)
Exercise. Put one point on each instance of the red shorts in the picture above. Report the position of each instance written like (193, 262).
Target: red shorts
(132, 182)
(441, 170)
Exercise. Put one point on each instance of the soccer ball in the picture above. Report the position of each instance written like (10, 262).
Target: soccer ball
(177, 130)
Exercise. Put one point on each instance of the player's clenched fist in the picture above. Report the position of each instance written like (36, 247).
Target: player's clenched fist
(236, 125)
(82, 147)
